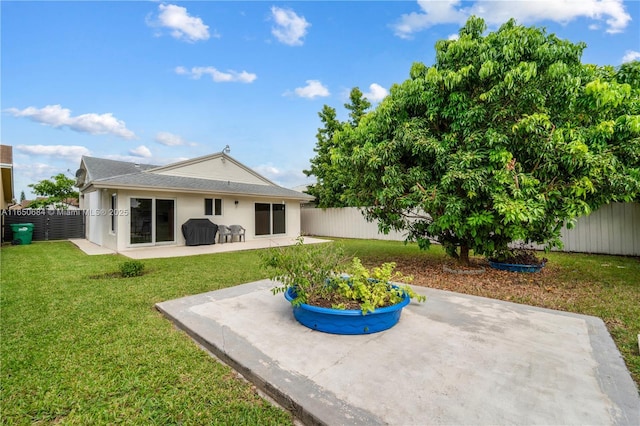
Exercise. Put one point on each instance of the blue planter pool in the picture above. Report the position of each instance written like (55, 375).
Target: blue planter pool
(514, 267)
(347, 321)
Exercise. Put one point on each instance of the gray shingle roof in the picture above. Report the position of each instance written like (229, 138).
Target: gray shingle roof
(114, 174)
(100, 168)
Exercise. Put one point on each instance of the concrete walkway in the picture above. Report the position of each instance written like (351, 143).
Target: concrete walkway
(179, 251)
(453, 360)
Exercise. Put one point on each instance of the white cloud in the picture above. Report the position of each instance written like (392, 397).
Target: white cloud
(181, 24)
(56, 116)
(169, 139)
(72, 152)
(285, 178)
(630, 55)
(35, 172)
(313, 89)
(268, 170)
(290, 28)
(432, 13)
(453, 37)
(217, 76)
(376, 93)
(611, 12)
(141, 151)
(28, 172)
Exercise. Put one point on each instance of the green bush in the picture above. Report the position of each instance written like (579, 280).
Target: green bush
(313, 271)
(133, 268)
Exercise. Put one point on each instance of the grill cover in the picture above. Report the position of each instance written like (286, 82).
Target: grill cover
(199, 231)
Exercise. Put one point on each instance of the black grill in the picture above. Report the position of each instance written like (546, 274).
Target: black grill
(199, 231)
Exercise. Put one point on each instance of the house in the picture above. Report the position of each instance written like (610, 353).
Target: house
(6, 176)
(131, 205)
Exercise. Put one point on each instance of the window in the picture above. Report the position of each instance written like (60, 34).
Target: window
(213, 206)
(112, 212)
(270, 219)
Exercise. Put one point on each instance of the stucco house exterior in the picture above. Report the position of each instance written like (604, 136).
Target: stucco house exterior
(6, 176)
(134, 205)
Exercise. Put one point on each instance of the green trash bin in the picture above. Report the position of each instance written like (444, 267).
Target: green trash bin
(22, 232)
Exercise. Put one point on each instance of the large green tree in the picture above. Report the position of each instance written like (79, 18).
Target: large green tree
(55, 191)
(506, 138)
(329, 187)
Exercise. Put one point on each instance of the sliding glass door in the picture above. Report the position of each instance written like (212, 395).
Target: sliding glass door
(141, 215)
(152, 221)
(165, 221)
(277, 219)
(270, 219)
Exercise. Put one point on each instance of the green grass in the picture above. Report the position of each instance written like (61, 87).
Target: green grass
(78, 347)
(81, 350)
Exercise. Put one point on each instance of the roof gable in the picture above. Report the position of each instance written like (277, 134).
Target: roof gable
(219, 166)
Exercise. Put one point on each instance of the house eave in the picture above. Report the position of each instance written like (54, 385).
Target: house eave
(95, 186)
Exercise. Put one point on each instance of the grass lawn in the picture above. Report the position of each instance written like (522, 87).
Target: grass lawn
(78, 347)
(83, 350)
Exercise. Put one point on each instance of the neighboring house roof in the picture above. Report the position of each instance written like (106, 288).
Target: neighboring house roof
(69, 203)
(102, 173)
(301, 188)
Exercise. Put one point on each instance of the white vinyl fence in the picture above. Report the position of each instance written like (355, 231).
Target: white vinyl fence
(613, 229)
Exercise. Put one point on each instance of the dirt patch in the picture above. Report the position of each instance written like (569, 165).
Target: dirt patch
(539, 288)
(111, 275)
(106, 276)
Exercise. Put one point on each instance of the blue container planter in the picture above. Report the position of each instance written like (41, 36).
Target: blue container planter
(346, 321)
(514, 267)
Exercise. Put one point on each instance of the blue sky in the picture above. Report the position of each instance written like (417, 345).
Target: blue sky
(158, 82)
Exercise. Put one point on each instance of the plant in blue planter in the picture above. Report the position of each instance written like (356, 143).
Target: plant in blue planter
(328, 293)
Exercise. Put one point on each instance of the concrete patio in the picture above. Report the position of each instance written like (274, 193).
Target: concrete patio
(453, 360)
(179, 251)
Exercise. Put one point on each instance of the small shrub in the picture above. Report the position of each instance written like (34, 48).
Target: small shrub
(133, 268)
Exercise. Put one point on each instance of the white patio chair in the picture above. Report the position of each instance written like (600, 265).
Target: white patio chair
(224, 231)
(237, 230)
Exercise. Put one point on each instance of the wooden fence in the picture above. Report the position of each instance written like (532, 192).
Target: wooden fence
(47, 224)
(613, 229)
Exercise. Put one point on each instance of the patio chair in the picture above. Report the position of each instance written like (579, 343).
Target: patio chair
(237, 230)
(224, 231)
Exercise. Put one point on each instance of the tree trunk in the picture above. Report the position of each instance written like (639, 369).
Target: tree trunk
(464, 255)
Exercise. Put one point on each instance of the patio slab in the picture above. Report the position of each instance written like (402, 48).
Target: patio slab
(164, 251)
(455, 359)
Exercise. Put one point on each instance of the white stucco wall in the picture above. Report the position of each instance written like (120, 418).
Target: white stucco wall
(191, 206)
(93, 202)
